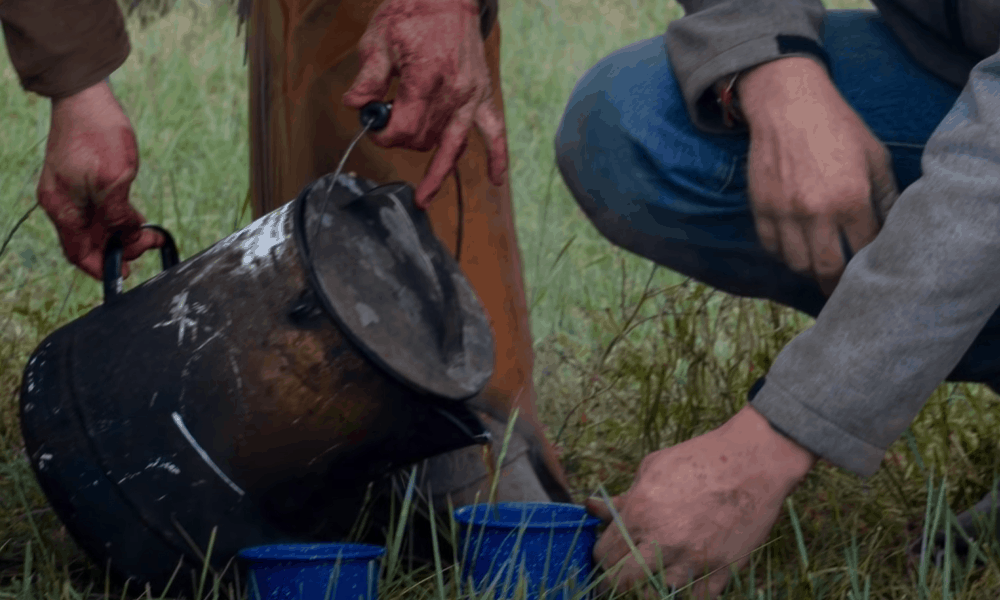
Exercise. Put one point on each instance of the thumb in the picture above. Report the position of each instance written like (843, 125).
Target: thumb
(596, 506)
(372, 81)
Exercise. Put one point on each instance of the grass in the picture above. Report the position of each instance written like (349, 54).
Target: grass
(629, 358)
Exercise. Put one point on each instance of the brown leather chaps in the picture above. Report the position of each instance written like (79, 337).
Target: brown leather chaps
(303, 57)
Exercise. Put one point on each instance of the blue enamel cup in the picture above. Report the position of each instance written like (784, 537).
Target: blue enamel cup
(546, 547)
(313, 571)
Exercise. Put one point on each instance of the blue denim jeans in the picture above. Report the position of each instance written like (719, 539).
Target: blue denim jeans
(655, 185)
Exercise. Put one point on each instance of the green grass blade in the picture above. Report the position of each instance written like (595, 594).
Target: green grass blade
(799, 540)
(207, 563)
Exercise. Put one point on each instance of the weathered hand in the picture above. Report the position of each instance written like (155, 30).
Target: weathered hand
(702, 505)
(436, 49)
(90, 162)
(815, 170)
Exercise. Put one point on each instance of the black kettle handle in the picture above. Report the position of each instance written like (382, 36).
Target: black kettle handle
(113, 260)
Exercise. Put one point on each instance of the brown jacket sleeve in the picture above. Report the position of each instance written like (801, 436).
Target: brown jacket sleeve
(60, 47)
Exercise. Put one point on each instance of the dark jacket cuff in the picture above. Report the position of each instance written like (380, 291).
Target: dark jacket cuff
(60, 48)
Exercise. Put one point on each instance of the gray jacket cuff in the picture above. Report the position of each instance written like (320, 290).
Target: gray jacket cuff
(814, 432)
(699, 96)
(720, 37)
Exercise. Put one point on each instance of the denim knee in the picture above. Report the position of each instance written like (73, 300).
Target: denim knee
(586, 167)
(635, 163)
(653, 184)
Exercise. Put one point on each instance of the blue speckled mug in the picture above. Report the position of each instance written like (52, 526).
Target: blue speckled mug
(548, 546)
(313, 571)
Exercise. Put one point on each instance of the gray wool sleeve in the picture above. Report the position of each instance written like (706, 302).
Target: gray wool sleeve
(909, 304)
(718, 37)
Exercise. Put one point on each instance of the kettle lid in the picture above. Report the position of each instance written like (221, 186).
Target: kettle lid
(392, 286)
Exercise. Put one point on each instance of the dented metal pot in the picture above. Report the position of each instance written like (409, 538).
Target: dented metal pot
(258, 386)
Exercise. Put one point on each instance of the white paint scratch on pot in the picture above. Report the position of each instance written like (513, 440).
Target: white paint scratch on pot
(324, 453)
(179, 311)
(179, 422)
(127, 477)
(29, 373)
(256, 241)
(263, 235)
(205, 343)
(159, 463)
(350, 183)
(236, 371)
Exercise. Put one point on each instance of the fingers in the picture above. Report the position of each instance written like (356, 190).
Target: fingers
(814, 184)
(409, 125)
(115, 214)
(858, 222)
(92, 265)
(70, 221)
(767, 232)
(814, 244)
(141, 241)
(705, 583)
(84, 232)
(629, 573)
(794, 246)
(372, 82)
(597, 507)
(672, 568)
(490, 122)
(826, 255)
(612, 546)
(613, 552)
(444, 88)
(453, 144)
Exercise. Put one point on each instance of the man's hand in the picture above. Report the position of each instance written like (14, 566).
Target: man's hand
(702, 505)
(436, 49)
(90, 162)
(815, 170)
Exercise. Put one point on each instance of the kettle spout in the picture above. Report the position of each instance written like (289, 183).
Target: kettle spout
(467, 429)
